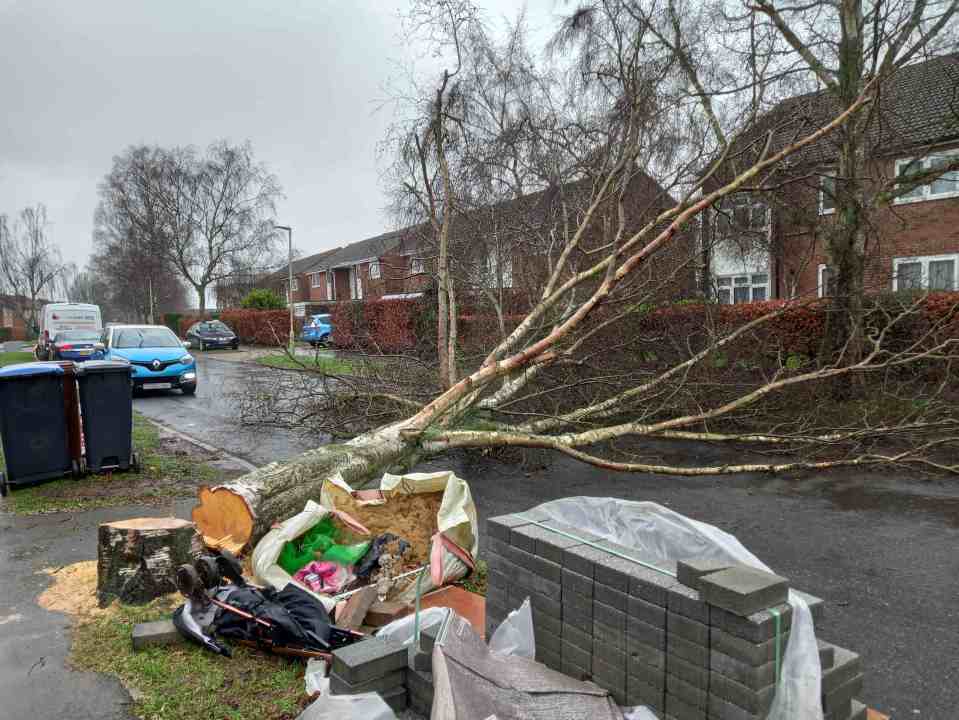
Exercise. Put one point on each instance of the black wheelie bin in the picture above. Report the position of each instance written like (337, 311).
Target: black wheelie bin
(106, 407)
(33, 425)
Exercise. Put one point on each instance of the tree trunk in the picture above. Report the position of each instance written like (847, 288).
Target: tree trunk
(243, 511)
(201, 296)
(137, 559)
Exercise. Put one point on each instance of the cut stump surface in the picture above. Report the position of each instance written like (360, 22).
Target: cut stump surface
(137, 558)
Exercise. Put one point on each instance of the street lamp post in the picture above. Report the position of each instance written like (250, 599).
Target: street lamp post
(289, 287)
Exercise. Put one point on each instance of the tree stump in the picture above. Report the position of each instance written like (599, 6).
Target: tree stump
(137, 558)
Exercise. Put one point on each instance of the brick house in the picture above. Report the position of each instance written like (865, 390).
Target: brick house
(12, 326)
(500, 248)
(771, 245)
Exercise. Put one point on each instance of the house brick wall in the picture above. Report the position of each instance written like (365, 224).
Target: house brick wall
(920, 228)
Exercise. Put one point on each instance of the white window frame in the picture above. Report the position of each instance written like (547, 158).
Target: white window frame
(924, 261)
(821, 280)
(751, 285)
(315, 279)
(416, 266)
(926, 189)
(375, 270)
(824, 210)
(330, 284)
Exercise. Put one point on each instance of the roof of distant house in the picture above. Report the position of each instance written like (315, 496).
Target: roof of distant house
(918, 106)
(368, 249)
(306, 264)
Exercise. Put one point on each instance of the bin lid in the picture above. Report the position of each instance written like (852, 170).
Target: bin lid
(28, 369)
(91, 367)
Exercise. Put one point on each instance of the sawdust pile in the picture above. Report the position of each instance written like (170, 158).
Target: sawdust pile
(411, 517)
(74, 592)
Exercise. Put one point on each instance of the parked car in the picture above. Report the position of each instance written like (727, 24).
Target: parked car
(60, 317)
(318, 331)
(158, 356)
(212, 334)
(76, 345)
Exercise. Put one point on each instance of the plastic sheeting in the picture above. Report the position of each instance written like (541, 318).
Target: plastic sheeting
(403, 630)
(472, 683)
(665, 535)
(456, 521)
(514, 636)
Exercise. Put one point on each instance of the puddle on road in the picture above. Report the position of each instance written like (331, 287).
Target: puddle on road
(861, 498)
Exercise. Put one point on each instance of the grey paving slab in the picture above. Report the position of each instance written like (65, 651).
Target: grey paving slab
(743, 590)
(648, 612)
(751, 653)
(648, 655)
(578, 637)
(604, 636)
(691, 652)
(583, 559)
(650, 585)
(687, 628)
(578, 583)
(609, 616)
(757, 627)
(680, 709)
(653, 636)
(756, 701)
(156, 633)
(535, 564)
(842, 694)
(687, 602)
(687, 692)
(847, 665)
(339, 686)
(695, 675)
(368, 659)
(688, 572)
(579, 656)
(578, 602)
(611, 597)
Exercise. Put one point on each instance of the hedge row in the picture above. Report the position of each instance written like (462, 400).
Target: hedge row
(257, 327)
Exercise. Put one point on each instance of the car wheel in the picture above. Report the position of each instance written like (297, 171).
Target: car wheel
(325, 340)
(236, 345)
(3, 485)
(189, 390)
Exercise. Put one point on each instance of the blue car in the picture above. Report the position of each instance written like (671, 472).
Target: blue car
(318, 331)
(159, 359)
(77, 345)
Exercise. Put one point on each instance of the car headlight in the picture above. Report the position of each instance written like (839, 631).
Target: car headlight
(186, 359)
(189, 376)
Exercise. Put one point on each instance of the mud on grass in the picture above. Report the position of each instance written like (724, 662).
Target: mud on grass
(186, 682)
(170, 468)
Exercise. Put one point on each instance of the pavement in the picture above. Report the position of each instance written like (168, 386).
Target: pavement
(880, 547)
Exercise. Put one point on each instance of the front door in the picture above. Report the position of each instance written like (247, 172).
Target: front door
(356, 283)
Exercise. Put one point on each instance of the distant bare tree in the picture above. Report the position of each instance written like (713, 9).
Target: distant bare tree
(209, 215)
(30, 263)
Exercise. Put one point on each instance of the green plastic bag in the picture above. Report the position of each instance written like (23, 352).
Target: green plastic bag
(297, 553)
(347, 554)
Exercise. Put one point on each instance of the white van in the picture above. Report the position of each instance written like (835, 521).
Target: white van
(57, 317)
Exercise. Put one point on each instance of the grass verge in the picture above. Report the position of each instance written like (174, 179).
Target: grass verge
(166, 472)
(186, 682)
(12, 358)
(319, 363)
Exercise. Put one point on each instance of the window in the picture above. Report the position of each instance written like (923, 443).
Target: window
(736, 289)
(827, 194)
(316, 279)
(6, 317)
(499, 271)
(945, 186)
(330, 287)
(744, 214)
(416, 266)
(827, 281)
(934, 272)
(375, 270)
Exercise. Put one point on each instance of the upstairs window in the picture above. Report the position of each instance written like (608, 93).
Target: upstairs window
(315, 279)
(416, 266)
(743, 214)
(827, 194)
(944, 186)
(827, 281)
(933, 272)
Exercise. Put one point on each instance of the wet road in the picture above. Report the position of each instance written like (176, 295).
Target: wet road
(211, 415)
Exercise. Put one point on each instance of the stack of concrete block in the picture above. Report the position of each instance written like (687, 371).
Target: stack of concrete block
(419, 673)
(692, 641)
(371, 665)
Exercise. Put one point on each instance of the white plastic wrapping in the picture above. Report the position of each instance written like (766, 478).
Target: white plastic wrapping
(366, 706)
(402, 630)
(514, 636)
(664, 534)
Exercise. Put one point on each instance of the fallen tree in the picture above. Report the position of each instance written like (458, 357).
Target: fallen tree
(556, 381)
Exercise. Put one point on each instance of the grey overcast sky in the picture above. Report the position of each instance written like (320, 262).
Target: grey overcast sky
(80, 80)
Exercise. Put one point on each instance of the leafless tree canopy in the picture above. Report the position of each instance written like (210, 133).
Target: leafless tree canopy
(30, 264)
(205, 215)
